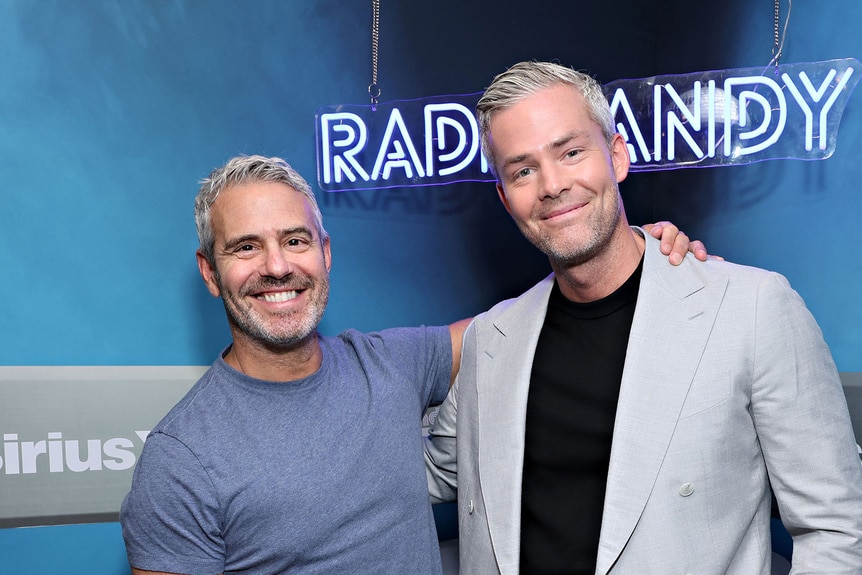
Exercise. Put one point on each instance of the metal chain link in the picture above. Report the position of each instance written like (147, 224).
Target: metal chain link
(374, 87)
(776, 48)
(778, 39)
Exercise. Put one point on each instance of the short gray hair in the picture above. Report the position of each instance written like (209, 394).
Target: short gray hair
(244, 170)
(525, 79)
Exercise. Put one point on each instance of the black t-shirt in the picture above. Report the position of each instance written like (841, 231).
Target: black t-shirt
(572, 402)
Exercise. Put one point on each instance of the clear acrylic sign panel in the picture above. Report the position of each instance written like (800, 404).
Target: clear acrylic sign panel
(702, 119)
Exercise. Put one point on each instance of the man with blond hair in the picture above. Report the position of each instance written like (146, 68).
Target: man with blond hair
(626, 416)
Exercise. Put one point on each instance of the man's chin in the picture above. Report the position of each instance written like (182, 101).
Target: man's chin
(288, 343)
(273, 340)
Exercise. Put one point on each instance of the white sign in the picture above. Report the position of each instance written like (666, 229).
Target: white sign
(71, 436)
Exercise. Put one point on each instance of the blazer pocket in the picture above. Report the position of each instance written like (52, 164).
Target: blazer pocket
(706, 393)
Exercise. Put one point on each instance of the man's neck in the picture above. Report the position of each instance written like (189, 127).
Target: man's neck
(261, 362)
(603, 274)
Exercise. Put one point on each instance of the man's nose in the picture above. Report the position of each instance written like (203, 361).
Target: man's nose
(553, 181)
(278, 263)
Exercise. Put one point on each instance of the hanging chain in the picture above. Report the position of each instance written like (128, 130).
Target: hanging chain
(374, 87)
(776, 46)
(778, 40)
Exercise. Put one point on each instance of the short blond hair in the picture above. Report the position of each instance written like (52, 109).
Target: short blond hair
(525, 79)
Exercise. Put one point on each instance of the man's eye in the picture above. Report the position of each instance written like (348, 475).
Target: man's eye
(244, 250)
(572, 153)
(297, 243)
(523, 172)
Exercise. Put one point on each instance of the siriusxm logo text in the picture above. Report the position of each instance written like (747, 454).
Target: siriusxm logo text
(55, 454)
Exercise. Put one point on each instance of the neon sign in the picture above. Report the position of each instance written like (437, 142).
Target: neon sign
(733, 116)
(431, 141)
(702, 119)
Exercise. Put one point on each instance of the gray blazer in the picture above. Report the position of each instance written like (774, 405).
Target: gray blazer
(728, 386)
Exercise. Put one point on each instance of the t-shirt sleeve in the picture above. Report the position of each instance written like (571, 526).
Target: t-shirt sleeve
(439, 362)
(170, 518)
(422, 354)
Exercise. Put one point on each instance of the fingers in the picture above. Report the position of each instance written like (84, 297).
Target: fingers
(659, 229)
(699, 250)
(679, 245)
(675, 243)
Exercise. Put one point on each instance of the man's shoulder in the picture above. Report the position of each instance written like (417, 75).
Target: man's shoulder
(353, 337)
(732, 284)
(392, 345)
(656, 265)
(202, 399)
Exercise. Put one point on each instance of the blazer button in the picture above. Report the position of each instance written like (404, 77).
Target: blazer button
(470, 508)
(686, 489)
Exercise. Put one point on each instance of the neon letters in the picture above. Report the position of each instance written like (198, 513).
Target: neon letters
(703, 119)
(431, 141)
(737, 116)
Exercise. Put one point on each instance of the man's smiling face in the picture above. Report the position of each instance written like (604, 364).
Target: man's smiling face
(271, 267)
(558, 175)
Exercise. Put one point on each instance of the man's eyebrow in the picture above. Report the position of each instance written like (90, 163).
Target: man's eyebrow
(298, 230)
(515, 160)
(565, 140)
(560, 142)
(236, 242)
(574, 136)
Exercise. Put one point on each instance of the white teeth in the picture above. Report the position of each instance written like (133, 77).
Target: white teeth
(279, 296)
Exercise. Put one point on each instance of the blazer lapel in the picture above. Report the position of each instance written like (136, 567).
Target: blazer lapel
(671, 326)
(504, 370)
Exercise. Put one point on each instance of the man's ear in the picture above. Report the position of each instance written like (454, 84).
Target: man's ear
(327, 254)
(208, 274)
(620, 157)
(503, 198)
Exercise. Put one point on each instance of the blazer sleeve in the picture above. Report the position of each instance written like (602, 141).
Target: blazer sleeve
(802, 421)
(441, 466)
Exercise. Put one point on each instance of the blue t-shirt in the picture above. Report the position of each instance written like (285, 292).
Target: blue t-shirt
(320, 475)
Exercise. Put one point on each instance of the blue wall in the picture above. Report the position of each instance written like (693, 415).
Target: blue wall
(110, 112)
(801, 219)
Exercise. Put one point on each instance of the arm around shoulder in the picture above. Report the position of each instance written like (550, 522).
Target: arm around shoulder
(675, 244)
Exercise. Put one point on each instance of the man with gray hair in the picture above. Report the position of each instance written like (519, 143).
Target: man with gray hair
(294, 453)
(625, 415)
